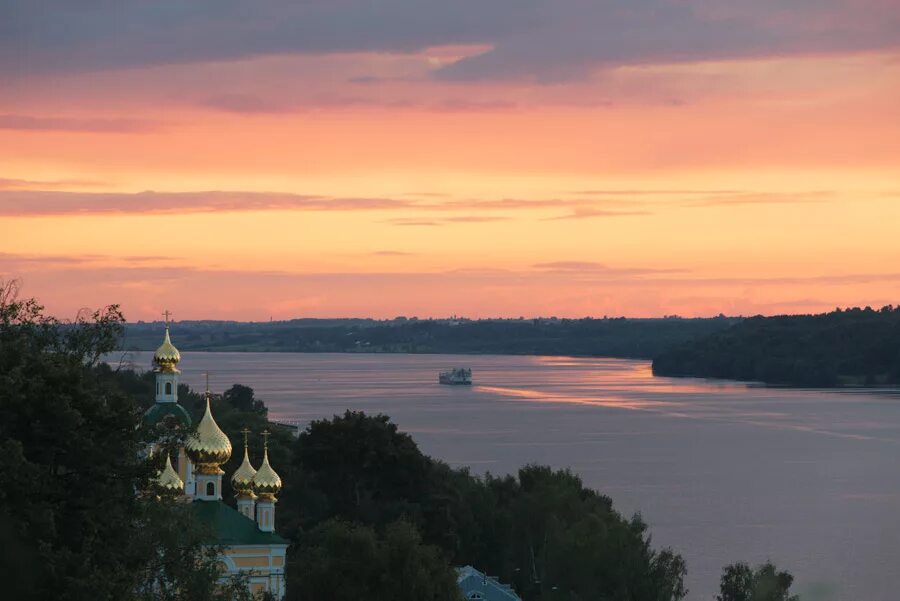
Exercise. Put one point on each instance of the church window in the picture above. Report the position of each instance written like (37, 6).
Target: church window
(168, 388)
(210, 489)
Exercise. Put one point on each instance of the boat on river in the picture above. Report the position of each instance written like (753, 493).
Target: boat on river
(456, 376)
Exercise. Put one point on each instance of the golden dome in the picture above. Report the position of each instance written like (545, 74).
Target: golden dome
(266, 482)
(208, 447)
(166, 356)
(242, 480)
(168, 482)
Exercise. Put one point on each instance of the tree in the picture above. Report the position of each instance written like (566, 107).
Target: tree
(343, 562)
(71, 525)
(543, 531)
(765, 583)
(241, 398)
(569, 543)
(367, 470)
(855, 347)
(178, 564)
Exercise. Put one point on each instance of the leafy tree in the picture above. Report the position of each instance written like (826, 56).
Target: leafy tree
(742, 583)
(368, 471)
(178, 565)
(542, 531)
(241, 399)
(71, 525)
(342, 562)
(854, 347)
(568, 542)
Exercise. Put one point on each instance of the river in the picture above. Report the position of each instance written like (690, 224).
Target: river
(721, 471)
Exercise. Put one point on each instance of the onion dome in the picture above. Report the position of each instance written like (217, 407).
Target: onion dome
(166, 356)
(208, 447)
(168, 482)
(242, 480)
(266, 482)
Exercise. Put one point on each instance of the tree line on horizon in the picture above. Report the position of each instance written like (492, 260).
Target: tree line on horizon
(847, 347)
(360, 498)
(613, 337)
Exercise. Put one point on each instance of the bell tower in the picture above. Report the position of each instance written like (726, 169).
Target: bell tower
(165, 362)
(166, 413)
(266, 484)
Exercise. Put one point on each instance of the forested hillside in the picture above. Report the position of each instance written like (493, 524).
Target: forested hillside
(853, 347)
(615, 337)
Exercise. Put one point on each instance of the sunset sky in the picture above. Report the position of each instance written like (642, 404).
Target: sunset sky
(248, 160)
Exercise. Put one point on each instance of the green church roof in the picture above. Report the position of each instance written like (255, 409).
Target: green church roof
(230, 527)
(476, 585)
(160, 411)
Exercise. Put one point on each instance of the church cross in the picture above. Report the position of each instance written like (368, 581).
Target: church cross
(167, 315)
(265, 435)
(245, 432)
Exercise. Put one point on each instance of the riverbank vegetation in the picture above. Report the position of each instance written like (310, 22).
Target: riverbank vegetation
(852, 347)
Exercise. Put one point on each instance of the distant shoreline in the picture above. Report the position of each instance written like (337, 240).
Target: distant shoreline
(748, 383)
(842, 350)
(620, 338)
(845, 349)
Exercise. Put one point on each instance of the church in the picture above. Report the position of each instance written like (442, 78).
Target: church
(247, 532)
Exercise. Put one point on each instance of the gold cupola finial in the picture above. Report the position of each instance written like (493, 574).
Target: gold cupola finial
(266, 482)
(166, 357)
(168, 483)
(242, 480)
(208, 447)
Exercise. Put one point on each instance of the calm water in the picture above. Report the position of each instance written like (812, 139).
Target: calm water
(721, 471)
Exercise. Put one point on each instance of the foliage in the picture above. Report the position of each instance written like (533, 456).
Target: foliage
(765, 583)
(367, 470)
(344, 562)
(178, 565)
(71, 525)
(241, 399)
(543, 532)
(853, 347)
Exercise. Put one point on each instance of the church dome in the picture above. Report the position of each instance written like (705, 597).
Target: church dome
(166, 356)
(242, 480)
(266, 482)
(168, 482)
(208, 447)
